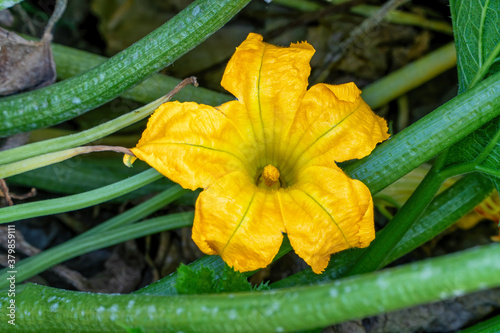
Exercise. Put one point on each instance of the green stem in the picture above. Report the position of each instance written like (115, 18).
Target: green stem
(405, 18)
(88, 173)
(446, 209)
(381, 248)
(427, 137)
(70, 98)
(420, 71)
(383, 245)
(489, 171)
(443, 212)
(38, 263)
(92, 134)
(71, 62)
(282, 310)
(138, 212)
(74, 140)
(77, 201)
(32, 163)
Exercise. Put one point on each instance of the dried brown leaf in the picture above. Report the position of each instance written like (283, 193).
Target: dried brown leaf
(24, 65)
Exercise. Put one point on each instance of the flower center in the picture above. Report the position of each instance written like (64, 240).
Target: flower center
(270, 176)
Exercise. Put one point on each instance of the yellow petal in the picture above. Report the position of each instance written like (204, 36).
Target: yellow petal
(129, 160)
(239, 222)
(333, 123)
(327, 212)
(193, 145)
(270, 82)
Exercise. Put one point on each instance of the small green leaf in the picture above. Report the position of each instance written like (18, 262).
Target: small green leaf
(262, 286)
(191, 282)
(232, 281)
(476, 25)
(205, 281)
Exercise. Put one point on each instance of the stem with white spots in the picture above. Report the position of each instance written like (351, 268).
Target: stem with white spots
(275, 311)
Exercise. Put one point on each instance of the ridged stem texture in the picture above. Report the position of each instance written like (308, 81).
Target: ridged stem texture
(70, 98)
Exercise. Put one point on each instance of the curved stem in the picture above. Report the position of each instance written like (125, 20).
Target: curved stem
(71, 62)
(92, 134)
(32, 163)
(59, 9)
(77, 201)
(274, 311)
(70, 98)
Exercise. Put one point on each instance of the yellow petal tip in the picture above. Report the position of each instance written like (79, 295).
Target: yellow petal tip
(128, 160)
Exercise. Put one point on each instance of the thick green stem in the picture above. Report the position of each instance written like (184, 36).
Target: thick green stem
(77, 201)
(92, 134)
(73, 97)
(381, 248)
(427, 137)
(443, 212)
(275, 311)
(80, 138)
(71, 62)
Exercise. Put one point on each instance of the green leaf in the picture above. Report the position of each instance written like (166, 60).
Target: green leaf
(4, 4)
(232, 281)
(191, 282)
(476, 25)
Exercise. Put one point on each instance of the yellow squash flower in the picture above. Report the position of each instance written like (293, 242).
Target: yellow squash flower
(266, 161)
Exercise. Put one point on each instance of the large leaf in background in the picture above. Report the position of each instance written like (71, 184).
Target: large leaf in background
(476, 26)
(8, 3)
